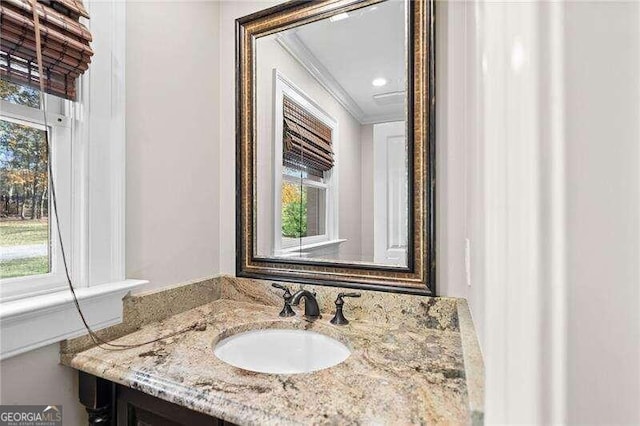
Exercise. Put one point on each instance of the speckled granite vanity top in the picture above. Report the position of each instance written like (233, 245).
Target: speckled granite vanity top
(406, 366)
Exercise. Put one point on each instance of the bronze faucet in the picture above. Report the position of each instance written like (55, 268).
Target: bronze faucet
(311, 309)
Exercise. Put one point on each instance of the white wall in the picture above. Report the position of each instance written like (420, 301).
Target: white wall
(366, 190)
(454, 139)
(459, 172)
(538, 138)
(36, 378)
(602, 130)
(229, 12)
(173, 112)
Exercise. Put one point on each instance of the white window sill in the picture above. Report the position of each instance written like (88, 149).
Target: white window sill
(295, 251)
(33, 322)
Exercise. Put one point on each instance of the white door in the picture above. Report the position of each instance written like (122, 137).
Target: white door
(390, 193)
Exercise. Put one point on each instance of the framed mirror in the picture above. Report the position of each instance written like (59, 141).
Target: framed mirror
(335, 144)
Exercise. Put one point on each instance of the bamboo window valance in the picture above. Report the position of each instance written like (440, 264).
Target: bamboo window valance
(66, 52)
(307, 141)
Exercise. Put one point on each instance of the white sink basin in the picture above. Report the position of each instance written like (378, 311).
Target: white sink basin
(281, 351)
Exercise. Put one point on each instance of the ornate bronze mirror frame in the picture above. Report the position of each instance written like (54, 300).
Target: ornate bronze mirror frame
(418, 277)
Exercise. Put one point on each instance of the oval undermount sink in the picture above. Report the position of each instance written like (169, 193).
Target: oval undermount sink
(281, 351)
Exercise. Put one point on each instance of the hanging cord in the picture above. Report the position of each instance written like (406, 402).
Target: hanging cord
(97, 340)
(300, 208)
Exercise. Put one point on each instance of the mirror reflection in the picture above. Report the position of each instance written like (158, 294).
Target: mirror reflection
(332, 173)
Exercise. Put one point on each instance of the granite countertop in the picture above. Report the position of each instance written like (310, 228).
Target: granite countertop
(399, 372)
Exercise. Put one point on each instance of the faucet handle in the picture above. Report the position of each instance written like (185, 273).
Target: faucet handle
(282, 287)
(286, 311)
(341, 295)
(339, 318)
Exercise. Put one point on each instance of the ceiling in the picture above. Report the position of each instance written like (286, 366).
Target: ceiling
(346, 55)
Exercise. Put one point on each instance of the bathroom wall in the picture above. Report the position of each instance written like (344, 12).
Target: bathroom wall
(456, 141)
(366, 190)
(173, 113)
(540, 103)
(36, 378)
(602, 131)
(229, 12)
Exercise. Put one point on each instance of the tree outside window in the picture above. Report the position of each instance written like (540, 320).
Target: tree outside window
(294, 210)
(24, 191)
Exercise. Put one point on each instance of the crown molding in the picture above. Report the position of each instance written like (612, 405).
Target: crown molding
(301, 53)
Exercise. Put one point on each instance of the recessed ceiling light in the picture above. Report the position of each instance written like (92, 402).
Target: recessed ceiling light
(339, 17)
(379, 82)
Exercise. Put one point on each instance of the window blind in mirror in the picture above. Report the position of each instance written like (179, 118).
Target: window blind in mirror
(307, 141)
(66, 52)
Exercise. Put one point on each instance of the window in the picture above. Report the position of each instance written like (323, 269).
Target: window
(29, 255)
(304, 208)
(37, 309)
(305, 172)
(24, 227)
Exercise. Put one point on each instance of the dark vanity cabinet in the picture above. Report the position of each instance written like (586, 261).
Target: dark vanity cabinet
(109, 403)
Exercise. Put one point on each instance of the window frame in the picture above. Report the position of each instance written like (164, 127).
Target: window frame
(95, 242)
(314, 239)
(283, 86)
(60, 141)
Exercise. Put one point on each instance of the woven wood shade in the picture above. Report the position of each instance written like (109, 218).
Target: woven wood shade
(66, 53)
(307, 141)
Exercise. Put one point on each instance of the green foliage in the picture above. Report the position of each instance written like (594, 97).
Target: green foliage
(294, 218)
(24, 267)
(17, 94)
(22, 148)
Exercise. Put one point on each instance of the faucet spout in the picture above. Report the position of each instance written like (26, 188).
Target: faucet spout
(311, 309)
